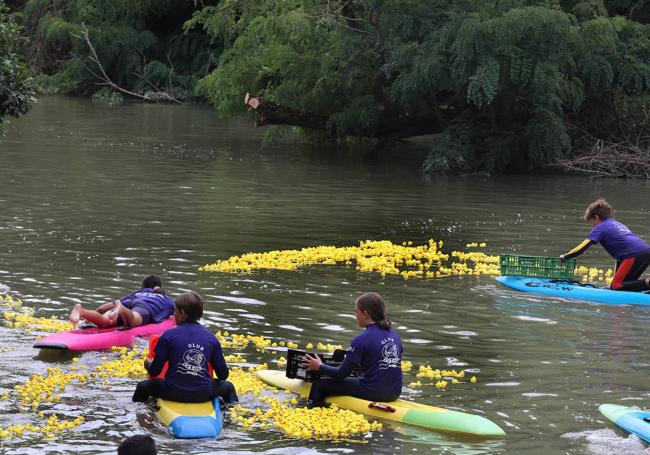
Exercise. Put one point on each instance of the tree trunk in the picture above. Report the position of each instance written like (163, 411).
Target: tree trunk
(269, 113)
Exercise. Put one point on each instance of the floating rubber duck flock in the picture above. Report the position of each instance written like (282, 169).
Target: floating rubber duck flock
(427, 261)
(274, 409)
(279, 409)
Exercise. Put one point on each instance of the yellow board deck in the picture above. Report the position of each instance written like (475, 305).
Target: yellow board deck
(410, 412)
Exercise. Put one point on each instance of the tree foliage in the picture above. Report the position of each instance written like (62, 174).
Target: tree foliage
(140, 43)
(498, 82)
(501, 84)
(15, 89)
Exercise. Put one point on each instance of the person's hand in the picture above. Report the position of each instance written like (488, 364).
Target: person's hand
(310, 363)
(147, 362)
(562, 258)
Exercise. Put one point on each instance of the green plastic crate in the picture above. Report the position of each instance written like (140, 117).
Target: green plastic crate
(537, 266)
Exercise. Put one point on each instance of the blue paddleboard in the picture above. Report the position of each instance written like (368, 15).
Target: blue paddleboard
(631, 420)
(569, 290)
(191, 420)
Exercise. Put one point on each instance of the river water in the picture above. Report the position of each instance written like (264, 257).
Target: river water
(94, 197)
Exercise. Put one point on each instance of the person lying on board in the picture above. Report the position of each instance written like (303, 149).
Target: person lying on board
(378, 350)
(149, 305)
(188, 348)
(631, 253)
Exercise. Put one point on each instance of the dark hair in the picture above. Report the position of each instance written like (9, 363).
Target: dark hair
(599, 208)
(139, 444)
(159, 290)
(376, 308)
(190, 303)
(151, 281)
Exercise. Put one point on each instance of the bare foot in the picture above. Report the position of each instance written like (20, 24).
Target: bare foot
(75, 314)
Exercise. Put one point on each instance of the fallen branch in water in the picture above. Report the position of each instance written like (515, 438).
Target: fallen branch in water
(389, 129)
(269, 113)
(624, 153)
(609, 159)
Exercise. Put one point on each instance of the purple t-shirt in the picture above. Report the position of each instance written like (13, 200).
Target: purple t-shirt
(379, 352)
(618, 240)
(159, 306)
(188, 348)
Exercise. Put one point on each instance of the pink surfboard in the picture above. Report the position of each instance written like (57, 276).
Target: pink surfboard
(96, 339)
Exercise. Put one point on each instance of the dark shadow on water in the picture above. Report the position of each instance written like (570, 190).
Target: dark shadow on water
(56, 355)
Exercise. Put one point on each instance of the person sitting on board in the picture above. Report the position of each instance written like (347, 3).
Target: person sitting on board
(378, 350)
(148, 305)
(631, 253)
(189, 348)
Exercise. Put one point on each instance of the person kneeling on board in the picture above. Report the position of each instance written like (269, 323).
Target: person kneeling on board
(149, 305)
(188, 348)
(378, 350)
(631, 253)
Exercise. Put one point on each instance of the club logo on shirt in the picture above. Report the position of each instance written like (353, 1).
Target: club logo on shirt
(621, 228)
(390, 356)
(143, 294)
(192, 364)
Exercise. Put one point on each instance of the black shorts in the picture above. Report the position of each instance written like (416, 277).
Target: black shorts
(144, 312)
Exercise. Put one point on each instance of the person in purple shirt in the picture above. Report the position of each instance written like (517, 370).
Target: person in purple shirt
(148, 305)
(189, 348)
(378, 350)
(631, 253)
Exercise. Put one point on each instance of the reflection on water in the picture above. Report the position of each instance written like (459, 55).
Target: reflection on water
(95, 197)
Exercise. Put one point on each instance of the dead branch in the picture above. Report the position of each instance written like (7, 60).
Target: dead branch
(109, 82)
(103, 76)
(623, 152)
(156, 89)
(171, 69)
(609, 159)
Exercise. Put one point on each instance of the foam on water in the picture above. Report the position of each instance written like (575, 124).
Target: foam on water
(608, 442)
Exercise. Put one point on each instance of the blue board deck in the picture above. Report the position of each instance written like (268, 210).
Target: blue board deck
(575, 291)
(631, 420)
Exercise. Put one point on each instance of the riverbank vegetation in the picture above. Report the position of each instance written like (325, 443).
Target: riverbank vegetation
(15, 88)
(96, 47)
(498, 86)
